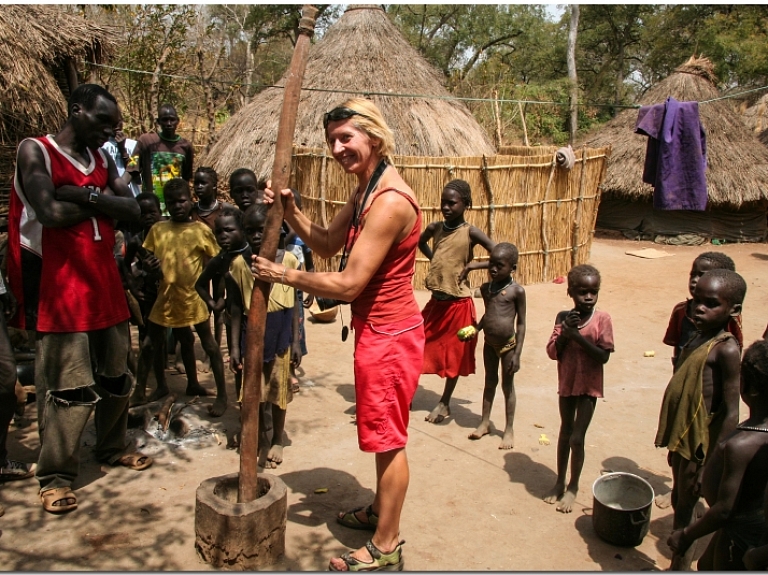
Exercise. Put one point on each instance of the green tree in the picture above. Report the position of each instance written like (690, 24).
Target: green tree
(734, 37)
(611, 48)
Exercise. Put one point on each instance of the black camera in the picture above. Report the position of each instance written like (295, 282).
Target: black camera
(325, 303)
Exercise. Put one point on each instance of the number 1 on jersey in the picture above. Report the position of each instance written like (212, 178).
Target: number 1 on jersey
(96, 234)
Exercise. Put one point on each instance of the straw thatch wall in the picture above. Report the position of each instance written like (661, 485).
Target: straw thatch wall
(527, 150)
(363, 52)
(35, 42)
(737, 165)
(547, 212)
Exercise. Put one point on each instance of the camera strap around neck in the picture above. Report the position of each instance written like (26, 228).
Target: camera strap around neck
(355, 221)
(372, 183)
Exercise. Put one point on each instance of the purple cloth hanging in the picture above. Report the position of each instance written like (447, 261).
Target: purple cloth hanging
(676, 155)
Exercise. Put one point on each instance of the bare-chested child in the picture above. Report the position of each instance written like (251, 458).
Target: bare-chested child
(735, 478)
(182, 247)
(581, 342)
(701, 403)
(504, 326)
(756, 558)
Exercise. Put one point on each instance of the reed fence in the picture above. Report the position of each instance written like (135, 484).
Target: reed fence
(546, 211)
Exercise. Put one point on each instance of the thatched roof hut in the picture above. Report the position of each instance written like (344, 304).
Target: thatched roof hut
(737, 167)
(38, 46)
(362, 52)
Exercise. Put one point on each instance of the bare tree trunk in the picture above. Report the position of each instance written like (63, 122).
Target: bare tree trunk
(522, 120)
(574, 95)
(497, 114)
(249, 73)
(154, 88)
(619, 80)
(210, 106)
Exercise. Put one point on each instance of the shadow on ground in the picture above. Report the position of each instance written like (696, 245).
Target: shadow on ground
(315, 509)
(610, 557)
(536, 477)
(102, 534)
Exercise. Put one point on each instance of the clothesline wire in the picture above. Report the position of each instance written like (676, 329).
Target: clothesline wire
(422, 96)
(367, 92)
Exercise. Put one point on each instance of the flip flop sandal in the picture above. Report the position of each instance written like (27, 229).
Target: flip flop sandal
(349, 519)
(135, 461)
(392, 561)
(57, 500)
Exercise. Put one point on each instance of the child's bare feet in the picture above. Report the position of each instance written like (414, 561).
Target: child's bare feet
(566, 501)
(554, 494)
(196, 390)
(159, 393)
(482, 429)
(439, 413)
(219, 407)
(204, 366)
(508, 441)
(274, 457)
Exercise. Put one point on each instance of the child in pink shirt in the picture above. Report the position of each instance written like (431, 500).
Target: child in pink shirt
(582, 342)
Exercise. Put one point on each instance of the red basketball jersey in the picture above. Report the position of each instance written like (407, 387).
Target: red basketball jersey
(80, 287)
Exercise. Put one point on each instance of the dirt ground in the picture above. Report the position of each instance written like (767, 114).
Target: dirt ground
(470, 506)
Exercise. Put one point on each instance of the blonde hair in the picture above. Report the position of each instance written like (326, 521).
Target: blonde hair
(370, 121)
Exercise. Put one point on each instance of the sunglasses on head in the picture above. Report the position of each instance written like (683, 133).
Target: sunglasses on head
(339, 113)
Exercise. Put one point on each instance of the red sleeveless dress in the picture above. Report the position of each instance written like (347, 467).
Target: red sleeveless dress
(389, 344)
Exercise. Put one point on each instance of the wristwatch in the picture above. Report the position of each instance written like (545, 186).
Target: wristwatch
(93, 196)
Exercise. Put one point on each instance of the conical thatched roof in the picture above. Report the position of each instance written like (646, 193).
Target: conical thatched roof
(33, 41)
(737, 164)
(361, 52)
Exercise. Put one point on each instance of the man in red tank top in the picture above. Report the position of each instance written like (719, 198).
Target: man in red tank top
(66, 197)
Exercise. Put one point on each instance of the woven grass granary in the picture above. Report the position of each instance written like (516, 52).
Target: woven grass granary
(737, 169)
(363, 53)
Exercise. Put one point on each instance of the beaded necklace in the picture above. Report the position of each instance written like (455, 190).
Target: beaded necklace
(490, 287)
(752, 427)
(448, 228)
(205, 211)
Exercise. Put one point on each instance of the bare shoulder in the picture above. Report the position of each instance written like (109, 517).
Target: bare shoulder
(30, 152)
(517, 291)
(727, 352)
(742, 445)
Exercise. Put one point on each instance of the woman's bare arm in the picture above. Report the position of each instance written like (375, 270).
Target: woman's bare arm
(389, 220)
(326, 242)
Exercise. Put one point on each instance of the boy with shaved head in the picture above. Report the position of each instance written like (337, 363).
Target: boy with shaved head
(701, 402)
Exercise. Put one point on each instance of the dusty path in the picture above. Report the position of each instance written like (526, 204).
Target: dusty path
(470, 505)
